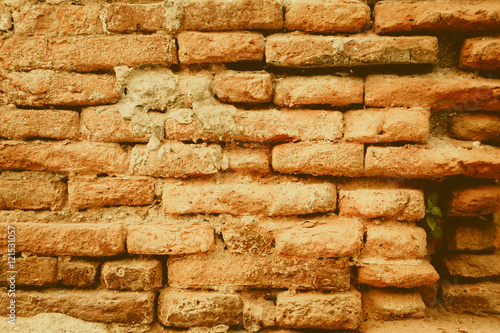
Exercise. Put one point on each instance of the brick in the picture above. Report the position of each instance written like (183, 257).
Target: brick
(440, 91)
(128, 17)
(243, 87)
(236, 271)
(250, 234)
(473, 265)
(397, 274)
(247, 160)
(45, 19)
(433, 162)
(316, 310)
(105, 124)
(258, 313)
(133, 275)
(170, 239)
(336, 159)
(243, 199)
(78, 273)
(199, 308)
(348, 16)
(93, 305)
(387, 125)
(91, 192)
(482, 297)
(481, 237)
(214, 47)
(300, 50)
(90, 240)
(267, 126)
(32, 271)
(481, 53)
(176, 159)
(84, 54)
(400, 204)
(47, 124)
(32, 194)
(5, 17)
(235, 15)
(46, 87)
(323, 89)
(473, 201)
(475, 127)
(381, 304)
(81, 157)
(431, 16)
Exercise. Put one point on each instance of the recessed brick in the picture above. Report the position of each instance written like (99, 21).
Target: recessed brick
(478, 236)
(480, 53)
(252, 160)
(382, 304)
(130, 17)
(78, 273)
(395, 274)
(133, 275)
(473, 265)
(479, 298)
(475, 127)
(32, 194)
(243, 87)
(473, 201)
(251, 234)
(31, 271)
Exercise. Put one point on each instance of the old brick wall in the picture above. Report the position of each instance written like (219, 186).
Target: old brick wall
(249, 164)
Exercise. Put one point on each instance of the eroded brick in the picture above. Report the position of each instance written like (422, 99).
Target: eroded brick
(478, 236)
(78, 273)
(240, 159)
(475, 127)
(473, 265)
(133, 275)
(479, 298)
(396, 274)
(130, 17)
(473, 201)
(258, 313)
(32, 271)
(480, 53)
(32, 194)
(243, 87)
(5, 17)
(384, 305)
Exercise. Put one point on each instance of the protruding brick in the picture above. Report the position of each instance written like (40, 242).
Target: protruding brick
(473, 201)
(243, 87)
(396, 274)
(246, 160)
(310, 90)
(199, 308)
(316, 310)
(483, 297)
(439, 91)
(203, 47)
(32, 271)
(336, 159)
(473, 265)
(5, 17)
(172, 239)
(433, 16)
(327, 16)
(84, 54)
(45, 87)
(82, 157)
(78, 273)
(130, 17)
(479, 236)
(236, 271)
(481, 53)
(301, 50)
(475, 127)
(32, 194)
(384, 305)
(176, 159)
(133, 275)
(243, 199)
(387, 125)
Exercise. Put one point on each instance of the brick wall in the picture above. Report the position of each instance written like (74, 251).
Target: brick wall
(249, 164)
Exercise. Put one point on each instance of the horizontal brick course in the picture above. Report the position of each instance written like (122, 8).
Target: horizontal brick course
(473, 201)
(133, 275)
(130, 17)
(243, 87)
(32, 194)
(475, 127)
(480, 53)
(397, 274)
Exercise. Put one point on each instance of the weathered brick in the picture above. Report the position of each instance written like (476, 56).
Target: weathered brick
(251, 234)
(5, 17)
(172, 239)
(473, 265)
(84, 54)
(203, 47)
(130, 17)
(243, 87)
(336, 159)
(176, 159)
(258, 313)
(32, 271)
(435, 17)
(439, 91)
(78, 273)
(481, 53)
(246, 160)
(383, 304)
(301, 50)
(327, 16)
(267, 125)
(316, 310)
(199, 308)
(133, 275)
(479, 236)
(91, 192)
(482, 297)
(27, 124)
(238, 271)
(235, 15)
(32, 194)
(46, 87)
(475, 127)
(243, 199)
(82, 157)
(92, 240)
(310, 90)
(387, 125)
(46, 19)
(478, 200)
(396, 274)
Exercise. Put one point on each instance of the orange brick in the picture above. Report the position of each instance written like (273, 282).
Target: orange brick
(439, 91)
(89, 53)
(473, 265)
(474, 201)
(246, 160)
(475, 127)
(133, 275)
(336, 159)
(243, 87)
(479, 298)
(480, 53)
(203, 47)
(435, 17)
(327, 16)
(251, 234)
(5, 17)
(300, 50)
(479, 236)
(395, 274)
(381, 304)
(32, 194)
(32, 271)
(82, 157)
(170, 239)
(90, 192)
(128, 17)
(45, 87)
(78, 273)
(324, 89)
